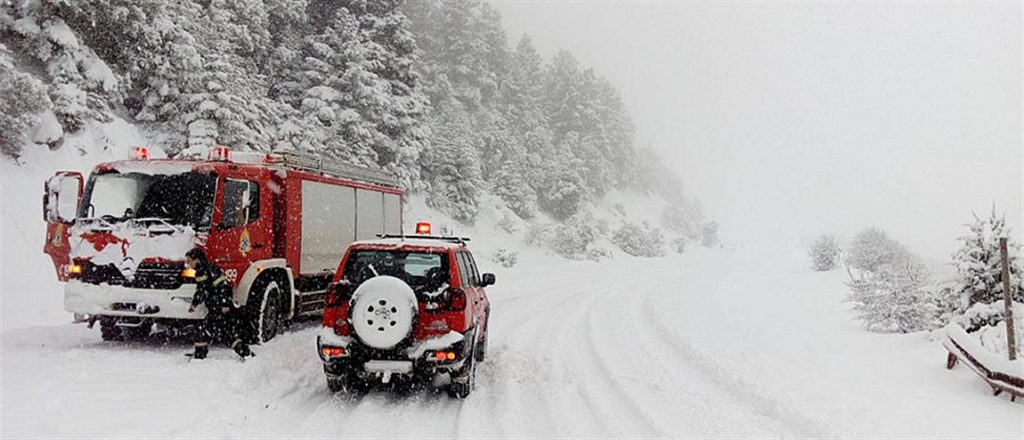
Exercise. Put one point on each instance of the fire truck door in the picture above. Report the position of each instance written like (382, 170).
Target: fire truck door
(242, 231)
(62, 195)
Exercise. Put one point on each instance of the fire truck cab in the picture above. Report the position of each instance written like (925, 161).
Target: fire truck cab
(277, 224)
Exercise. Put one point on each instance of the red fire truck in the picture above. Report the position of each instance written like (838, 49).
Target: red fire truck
(276, 223)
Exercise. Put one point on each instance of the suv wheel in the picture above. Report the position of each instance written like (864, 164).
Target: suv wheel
(347, 383)
(464, 380)
(481, 350)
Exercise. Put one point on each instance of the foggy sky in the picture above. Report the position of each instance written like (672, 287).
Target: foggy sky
(789, 120)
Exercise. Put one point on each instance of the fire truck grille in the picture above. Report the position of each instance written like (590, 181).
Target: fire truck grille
(147, 276)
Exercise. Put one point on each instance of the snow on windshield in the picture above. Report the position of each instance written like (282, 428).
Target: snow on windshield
(180, 199)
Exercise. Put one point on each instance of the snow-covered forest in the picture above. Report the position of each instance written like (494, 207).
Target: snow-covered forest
(430, 90)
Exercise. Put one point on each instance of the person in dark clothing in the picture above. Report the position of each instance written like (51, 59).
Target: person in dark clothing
(223, 320)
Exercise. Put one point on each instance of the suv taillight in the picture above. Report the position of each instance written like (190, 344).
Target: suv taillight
(454, 299)
(337, 293)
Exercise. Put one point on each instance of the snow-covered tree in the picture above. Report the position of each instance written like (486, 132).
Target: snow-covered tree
(22, 98)
(979, 264)
(872, 248)
(889, 285)
(824, 253)
(451, 170)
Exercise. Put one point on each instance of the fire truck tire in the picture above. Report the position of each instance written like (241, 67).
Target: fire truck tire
(110, 331)
(265, 296)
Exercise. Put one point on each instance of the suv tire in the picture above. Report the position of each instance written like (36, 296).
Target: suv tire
(347, 383)
(464, 380)
(383, 312)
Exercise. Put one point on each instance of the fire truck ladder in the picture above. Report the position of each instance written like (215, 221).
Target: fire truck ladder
(336, 168)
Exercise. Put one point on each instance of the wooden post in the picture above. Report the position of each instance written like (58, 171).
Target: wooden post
(1011, 331)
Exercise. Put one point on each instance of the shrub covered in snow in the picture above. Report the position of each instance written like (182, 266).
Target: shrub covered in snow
(571, 239)
(889, 285)
(709, 234)
(894, 298)
(679, 244)
(824, 253)
(505, 257)
(982, 315)
(539, 234)
(640, 240)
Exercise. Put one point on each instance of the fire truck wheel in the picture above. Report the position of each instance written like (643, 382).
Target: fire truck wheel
(110, 331)
(266, 294)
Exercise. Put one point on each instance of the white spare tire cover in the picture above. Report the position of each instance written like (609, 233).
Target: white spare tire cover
(383, 309)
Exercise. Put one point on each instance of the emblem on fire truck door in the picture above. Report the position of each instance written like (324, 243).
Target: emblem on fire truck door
(244, 243)
(58, 235)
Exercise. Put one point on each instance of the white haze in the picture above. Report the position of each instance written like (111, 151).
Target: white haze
(793, 119)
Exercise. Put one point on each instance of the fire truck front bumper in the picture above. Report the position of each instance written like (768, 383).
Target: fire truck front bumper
(107, 300)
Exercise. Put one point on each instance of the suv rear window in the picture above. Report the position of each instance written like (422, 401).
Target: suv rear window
(423, 271)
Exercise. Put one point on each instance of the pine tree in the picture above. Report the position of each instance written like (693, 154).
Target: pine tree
(22, 98)
(979, 264)
(450, 167)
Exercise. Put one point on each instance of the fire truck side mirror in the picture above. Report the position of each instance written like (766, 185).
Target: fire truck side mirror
(61, 197)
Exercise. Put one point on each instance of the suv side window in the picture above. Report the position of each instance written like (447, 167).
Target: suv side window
(472, 266)
(464, 274)
(467, 270)
(241, 204)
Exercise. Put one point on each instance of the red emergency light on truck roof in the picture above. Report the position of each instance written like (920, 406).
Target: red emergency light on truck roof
(140, 153)
(277, 225)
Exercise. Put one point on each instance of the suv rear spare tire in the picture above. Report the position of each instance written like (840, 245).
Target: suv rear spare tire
(383, 311)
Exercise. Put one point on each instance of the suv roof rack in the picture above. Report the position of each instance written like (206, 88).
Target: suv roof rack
(460, 240)
(334, 168)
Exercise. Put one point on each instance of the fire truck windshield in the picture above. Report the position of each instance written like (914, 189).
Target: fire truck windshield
(181, 199)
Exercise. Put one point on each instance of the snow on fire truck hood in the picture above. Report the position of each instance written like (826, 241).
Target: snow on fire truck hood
(127, 244)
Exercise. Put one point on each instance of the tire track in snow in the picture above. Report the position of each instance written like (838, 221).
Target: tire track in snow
(741, 391)
(542, 322)
(536, 321)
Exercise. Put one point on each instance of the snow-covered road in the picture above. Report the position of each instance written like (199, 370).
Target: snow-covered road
(710, 344)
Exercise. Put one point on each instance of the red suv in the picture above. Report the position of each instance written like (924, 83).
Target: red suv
(405, 308)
